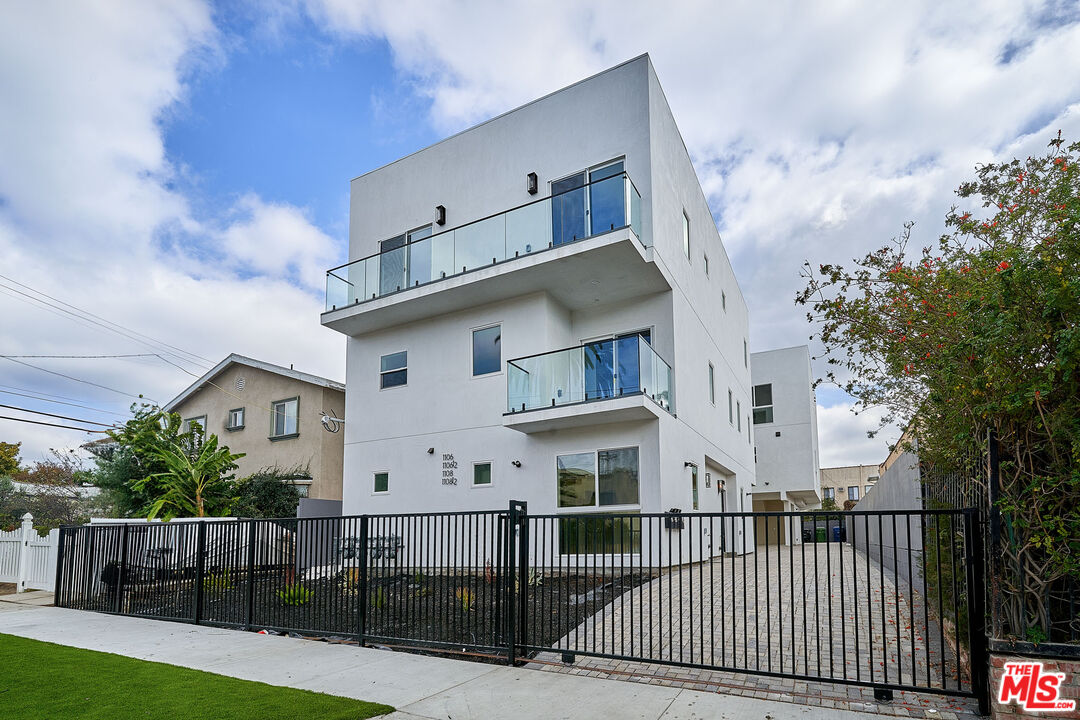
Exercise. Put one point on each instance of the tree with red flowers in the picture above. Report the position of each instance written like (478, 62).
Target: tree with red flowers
(981, 333)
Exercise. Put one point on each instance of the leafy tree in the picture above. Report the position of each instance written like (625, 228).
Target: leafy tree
(9, 458)
(829, 504)
(197, 481)
(981, 333)
(53, 493)
(268, 493)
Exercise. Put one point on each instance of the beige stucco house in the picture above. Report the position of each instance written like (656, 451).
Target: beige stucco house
(273, 415)
(850, 482)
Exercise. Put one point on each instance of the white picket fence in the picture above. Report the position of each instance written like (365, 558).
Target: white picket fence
(28, 559)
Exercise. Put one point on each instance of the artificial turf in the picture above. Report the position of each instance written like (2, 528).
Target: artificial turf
(44, 681)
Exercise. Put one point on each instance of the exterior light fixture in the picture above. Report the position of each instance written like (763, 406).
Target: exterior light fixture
(516, 463)
(440, 215)
(531, 183)
(431, 451)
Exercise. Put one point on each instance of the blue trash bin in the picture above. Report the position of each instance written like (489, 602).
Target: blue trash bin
(836, 534)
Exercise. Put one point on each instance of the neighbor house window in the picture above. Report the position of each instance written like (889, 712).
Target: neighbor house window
(236, 419)
(284, 418)
(712, 384)
(868, 488)
(763, 404)
(382, 482)
(393, 370)
(686, 235)
(853, 492)
(830, 493)
(730, 407)
(597, 479)
(199, 422)
(487, 350)
(481, 474)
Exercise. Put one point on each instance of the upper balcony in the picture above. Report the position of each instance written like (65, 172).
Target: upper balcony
(613, 380)
(581, 245)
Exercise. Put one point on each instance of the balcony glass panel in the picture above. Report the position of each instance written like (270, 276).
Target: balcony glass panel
(594, 371)
(576, 211)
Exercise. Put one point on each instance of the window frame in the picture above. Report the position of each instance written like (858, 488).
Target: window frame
(828, 493)
(491, 474)
(472, 350)
(243, 419)
(596, 506)
(383, 373)
(712, 384)
(856, 493)
(374, 478)
(754, 407)
(201, 419)
(273, 418)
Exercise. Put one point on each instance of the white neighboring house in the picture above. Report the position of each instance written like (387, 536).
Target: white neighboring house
(540, 308)
(786, 434)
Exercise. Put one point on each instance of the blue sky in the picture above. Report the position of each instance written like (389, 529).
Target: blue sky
(182, 167)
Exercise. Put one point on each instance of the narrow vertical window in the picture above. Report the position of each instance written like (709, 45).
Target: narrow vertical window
(738, 413)
(723, 300)
(693, 485)
(706, 258)
(686, 234)
(745, 354)
(730, 407)
(712, 384)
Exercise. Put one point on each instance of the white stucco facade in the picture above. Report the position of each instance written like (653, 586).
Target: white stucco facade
(785, 427)
(633, 278)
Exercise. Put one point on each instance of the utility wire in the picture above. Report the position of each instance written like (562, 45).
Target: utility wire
(84, 357)
(110, 325)
(38, 422)
(61, 402)
(70, 377)
(50, 395)
(61, 417)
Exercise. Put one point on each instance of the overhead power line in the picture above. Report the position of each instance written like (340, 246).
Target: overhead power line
(35, 396)
(38, 422)
(80, 380)
(86, 315)
(61, 417)
(84, 357)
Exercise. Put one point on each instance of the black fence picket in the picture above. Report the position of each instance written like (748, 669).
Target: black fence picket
(884, 599)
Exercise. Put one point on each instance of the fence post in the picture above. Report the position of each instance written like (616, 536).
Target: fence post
(980, 661)
(24, 550)
(122, 570)
(200, 569)
(523, 574)
(58, 597)
(363, 580)
(511, 620)
(250, 595)
(517, 574)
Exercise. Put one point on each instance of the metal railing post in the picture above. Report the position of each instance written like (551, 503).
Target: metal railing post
(200, 570)
(363, 580)
(121, 570)
(980, 660)
(249, 611)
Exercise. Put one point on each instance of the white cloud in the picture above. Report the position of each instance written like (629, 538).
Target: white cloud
(88, 215)
(843, 439)
(817, 129)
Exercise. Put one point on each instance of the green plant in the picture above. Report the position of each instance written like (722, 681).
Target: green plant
(196, 481)
(536, 577)
(295, 594)
(218, 581)
(269, 493)
(378, 599)
(467, 598)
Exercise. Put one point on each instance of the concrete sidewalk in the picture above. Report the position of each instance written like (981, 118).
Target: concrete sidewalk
(420, 687)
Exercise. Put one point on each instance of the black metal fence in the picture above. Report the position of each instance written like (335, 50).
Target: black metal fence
(890, 600)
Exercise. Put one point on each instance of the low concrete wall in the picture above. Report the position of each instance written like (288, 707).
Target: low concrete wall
(895, 542)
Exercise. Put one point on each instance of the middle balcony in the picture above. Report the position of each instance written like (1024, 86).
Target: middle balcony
(615, 380)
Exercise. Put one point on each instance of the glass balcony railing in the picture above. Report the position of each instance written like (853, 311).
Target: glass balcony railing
(600, 370)
(590, 209)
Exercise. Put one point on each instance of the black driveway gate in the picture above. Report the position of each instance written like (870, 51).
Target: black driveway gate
(885, 599)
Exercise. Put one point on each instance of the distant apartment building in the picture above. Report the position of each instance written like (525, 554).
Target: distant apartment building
(273, 415)
(785, 437)
(850, 482)
(540, 308)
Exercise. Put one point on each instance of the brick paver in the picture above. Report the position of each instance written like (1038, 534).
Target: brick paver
(822, 610)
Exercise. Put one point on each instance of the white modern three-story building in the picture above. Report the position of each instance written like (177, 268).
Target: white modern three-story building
(540, 308)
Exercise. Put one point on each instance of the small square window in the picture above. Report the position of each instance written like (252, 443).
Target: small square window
(382, 482)
(481, 474)
(393, 370)
(236, 419)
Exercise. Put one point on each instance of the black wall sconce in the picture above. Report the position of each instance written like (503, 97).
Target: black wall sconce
(431, 451)
(516, 463)
(440, 215)
(531, 183)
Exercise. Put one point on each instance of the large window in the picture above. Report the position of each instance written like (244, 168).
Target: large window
(487, 350)
(763, 404)
(597, 479)
(393, 370)
(284, 422)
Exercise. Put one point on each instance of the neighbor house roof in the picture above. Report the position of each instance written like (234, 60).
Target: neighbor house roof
(235, 359)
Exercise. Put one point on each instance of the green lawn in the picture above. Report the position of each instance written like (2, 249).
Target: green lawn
(43, 681)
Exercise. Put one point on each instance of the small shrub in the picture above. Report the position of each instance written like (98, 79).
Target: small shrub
(536, 578)
(467, 598)
(218, 582)
(378, 598)
(294, 595)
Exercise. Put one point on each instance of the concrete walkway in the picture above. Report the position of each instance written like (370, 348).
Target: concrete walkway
(420, 687)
